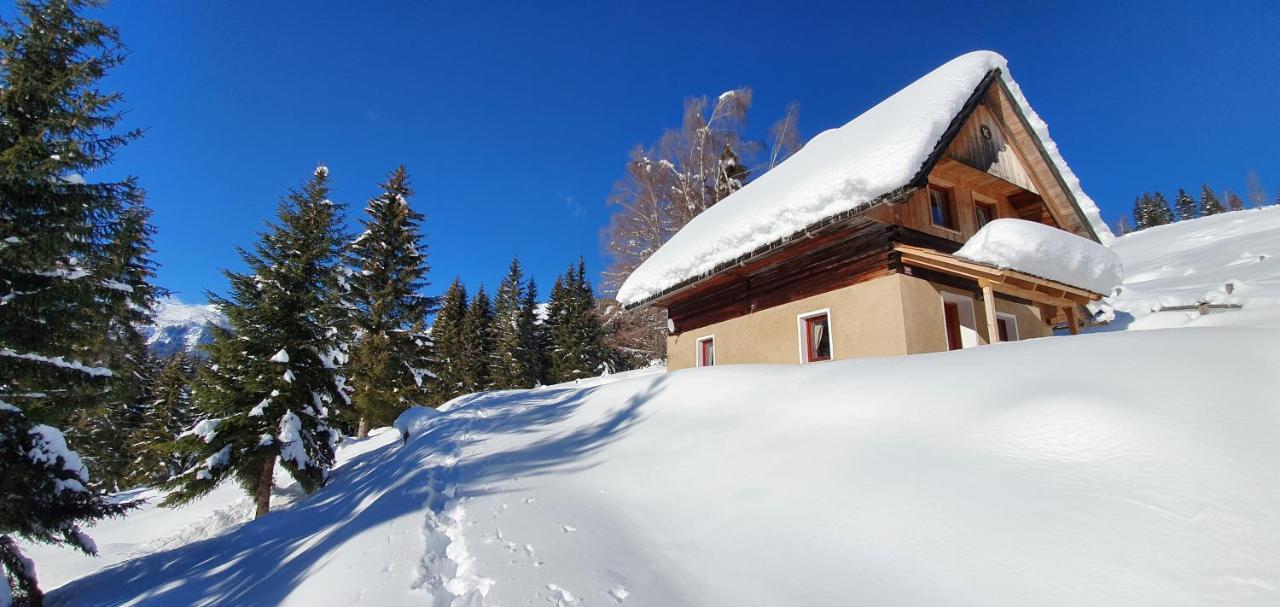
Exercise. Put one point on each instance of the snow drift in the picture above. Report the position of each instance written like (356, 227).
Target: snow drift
(840, 170)
(1047, 252)
(1121, 468)
(1232, 259)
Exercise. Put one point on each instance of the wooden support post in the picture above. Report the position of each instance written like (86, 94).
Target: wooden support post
(1073, 321)
(989, 304)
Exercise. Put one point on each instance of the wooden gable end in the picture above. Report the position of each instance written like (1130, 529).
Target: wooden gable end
(1044, 175)
(983, 144)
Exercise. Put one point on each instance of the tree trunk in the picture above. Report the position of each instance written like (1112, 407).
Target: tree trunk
(363, 430)
(265, 483)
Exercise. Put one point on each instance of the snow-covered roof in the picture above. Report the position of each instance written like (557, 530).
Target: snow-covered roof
(1047, 252)
(840, 170)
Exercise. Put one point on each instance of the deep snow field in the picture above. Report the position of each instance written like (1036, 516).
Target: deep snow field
(1191, 262)
(1117, 468)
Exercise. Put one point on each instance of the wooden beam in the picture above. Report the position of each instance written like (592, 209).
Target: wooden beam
(989, 304)
(1010, 282)
(1073, 321)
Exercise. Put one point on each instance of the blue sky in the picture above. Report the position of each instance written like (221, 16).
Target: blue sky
(515, 119)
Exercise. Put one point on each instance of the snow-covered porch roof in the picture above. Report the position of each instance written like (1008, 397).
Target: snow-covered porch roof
(1055, 295)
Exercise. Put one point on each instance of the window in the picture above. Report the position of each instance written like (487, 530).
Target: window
(815, 337)
(940, 211)
(959, 322)
(951, 314)
(1007, 325)
(707, 351)
(985, 212)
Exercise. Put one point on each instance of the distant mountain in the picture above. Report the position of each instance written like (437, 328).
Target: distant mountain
(181, 327)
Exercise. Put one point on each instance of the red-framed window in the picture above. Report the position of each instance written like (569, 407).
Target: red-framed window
(817, 337)
(941, 207)
(707, 352)
(951, 314)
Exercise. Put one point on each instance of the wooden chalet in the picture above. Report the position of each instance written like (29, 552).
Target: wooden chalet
(880, 278)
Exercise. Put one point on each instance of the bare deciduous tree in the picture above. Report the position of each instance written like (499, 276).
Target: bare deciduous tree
(666, 185)
(1257, 194)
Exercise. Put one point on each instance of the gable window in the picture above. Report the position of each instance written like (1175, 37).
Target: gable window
(815, 336)
(1007, 325)
(941, 212)
(985, 212)
(706, 349)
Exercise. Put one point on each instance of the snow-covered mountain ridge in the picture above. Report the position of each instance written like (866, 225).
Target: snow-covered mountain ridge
(180, 327)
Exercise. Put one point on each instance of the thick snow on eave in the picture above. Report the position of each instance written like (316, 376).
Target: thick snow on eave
(1045, 251)
(839, 170)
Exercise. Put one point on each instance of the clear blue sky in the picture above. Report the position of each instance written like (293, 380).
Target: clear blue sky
(514, 119)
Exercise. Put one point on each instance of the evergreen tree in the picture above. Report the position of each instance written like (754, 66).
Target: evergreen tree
(1142, 212)
(74, 273)
(390, 270)
(1209, 203)
(577, 338)
(477, 343)
(447, 337)
(273, 379)
(1161, 212)
(1187, 207)
(157, 456)
(535, 370)
(515, 362)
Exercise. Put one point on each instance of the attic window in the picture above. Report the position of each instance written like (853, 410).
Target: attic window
(941, 212)
(815, 337)
(984, 212)
(985, 131)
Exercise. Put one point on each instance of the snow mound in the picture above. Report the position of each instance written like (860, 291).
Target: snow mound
(873, 481)
(414, 420)
(839, 170)
(1047, 252)
(1229, 261)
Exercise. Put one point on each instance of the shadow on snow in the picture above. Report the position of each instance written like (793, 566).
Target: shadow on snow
(262, 561)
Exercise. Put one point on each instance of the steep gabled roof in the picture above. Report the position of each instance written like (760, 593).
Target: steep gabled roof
(876, 157)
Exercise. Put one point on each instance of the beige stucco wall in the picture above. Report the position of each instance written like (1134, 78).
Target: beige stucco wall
(891, 315)
(922, 303)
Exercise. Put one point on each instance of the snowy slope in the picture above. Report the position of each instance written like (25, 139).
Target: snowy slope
(180, 327)
(1070, 481)
(1191, 262)
(839, 170)
(152, 529)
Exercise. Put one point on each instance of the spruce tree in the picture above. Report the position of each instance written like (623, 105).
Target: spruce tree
(157, 456)
(447, 339)
(74, 273)
(273, 380)
(1142, 212)
(577, 338)
(1187, 206)
(390, 271)
(477, 343)
(1209, 203)
(515, 360)
(533, 342)
(1161, 212)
